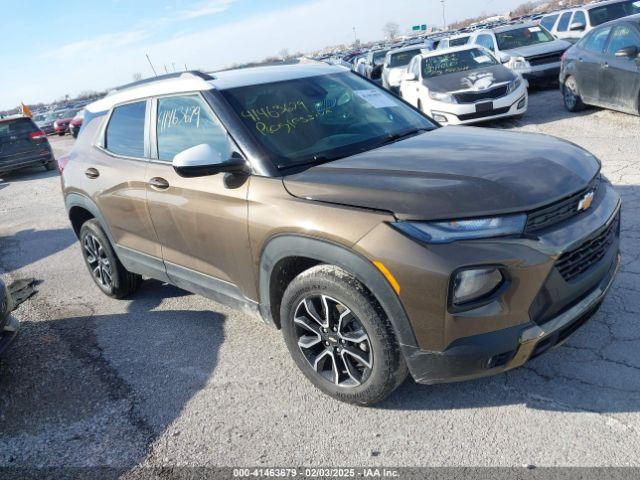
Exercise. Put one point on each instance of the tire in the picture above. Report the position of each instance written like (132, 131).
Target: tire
(61, 134)
(104, 266)
(349, 367)
(572, 99)
(50, 165)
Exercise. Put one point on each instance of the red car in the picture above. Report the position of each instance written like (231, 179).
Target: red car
(61, 125)
(76, 123)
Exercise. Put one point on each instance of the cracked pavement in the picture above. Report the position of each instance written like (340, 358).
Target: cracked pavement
(171, 378)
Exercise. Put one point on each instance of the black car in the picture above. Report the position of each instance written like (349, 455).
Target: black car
(8, 324)
(23, 144)
(603, 68)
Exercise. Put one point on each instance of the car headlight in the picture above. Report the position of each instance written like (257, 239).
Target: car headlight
(513, 86)
(442, 97)
(453, 230)
(519, 64)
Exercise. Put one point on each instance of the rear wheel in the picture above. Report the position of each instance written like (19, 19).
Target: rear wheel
(340, 337)
(572, 99)
(106, 270)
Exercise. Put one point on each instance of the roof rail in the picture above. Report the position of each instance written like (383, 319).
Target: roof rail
(159, 78)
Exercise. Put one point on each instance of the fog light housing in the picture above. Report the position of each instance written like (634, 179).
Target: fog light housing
(475, 284)
(440, 118)
(522, 103)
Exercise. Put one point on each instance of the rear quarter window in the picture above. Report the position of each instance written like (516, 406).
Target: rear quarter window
(125, 131)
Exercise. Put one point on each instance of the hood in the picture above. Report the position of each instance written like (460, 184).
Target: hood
(452, 172)
(475, 80)
(539, 49)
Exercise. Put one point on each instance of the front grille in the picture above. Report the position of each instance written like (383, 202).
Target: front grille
(473, 97)
(564, 209)
(577, 261)
(545, 59)
(473, 116)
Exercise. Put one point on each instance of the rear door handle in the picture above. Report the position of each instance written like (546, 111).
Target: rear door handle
(92, 173)
(158, 183)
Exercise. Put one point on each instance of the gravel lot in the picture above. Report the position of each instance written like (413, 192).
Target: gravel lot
(170, 378)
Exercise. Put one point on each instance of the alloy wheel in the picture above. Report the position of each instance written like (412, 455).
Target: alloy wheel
(99, 263)
(333, 341)
(570, 95)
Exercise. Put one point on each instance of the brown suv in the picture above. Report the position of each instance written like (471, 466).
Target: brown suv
(377, 241)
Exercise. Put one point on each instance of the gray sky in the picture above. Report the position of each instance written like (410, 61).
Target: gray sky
(72, 46)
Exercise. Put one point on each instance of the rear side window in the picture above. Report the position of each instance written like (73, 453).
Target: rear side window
(563, 24)
(486, 41)
(19, 127)
(184, 122)
(125, 132)
(458, 42)
(549, 22)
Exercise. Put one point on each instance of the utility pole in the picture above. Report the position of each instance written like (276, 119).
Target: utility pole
(355, 36)
(444, 16)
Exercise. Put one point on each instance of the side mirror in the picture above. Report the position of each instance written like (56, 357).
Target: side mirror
(203, 160)
(577, 27)
(628, 52)
(504, 57)
(409, 77)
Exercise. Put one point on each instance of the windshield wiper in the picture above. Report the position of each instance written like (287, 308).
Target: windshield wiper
(394, 137)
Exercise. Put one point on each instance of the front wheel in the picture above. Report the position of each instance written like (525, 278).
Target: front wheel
(340, 337)
(572, 99)
(106, 270)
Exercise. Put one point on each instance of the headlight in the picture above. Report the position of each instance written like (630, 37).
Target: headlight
(453, 230)
(513, 86)
(475, 283)
(442, 97)
(519, 64)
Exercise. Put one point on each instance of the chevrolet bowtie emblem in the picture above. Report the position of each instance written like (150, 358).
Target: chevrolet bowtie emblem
(586, 202)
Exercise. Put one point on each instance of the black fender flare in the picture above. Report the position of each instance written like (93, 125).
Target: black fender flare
(78, 200)
(290, 245)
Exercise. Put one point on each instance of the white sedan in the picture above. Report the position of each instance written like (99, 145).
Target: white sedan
(463, 85)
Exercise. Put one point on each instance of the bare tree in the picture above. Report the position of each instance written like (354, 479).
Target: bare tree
(284, 54)
(391, 30)
(137, 76)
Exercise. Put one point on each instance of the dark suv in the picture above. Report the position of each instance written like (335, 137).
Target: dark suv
(23, 144)
(377, 241)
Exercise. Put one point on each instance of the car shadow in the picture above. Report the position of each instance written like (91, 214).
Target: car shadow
(29, 246)
(108, 384)
(27, 174)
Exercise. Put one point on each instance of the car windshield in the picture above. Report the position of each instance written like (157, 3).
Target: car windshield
(522, 37)
(613, 11)
(378, 57)
(456, 62)
(402, 59)
(458, 42)
(322, 118)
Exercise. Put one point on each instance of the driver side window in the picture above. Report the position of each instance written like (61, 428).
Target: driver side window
(623, 36)
(184, 122)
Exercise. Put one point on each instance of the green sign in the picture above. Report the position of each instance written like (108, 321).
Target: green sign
(416, 28)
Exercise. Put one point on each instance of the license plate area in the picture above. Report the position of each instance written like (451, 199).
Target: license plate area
(484, 107)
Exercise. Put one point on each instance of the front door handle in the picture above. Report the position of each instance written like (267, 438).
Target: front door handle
(92, 173)
(158, 183)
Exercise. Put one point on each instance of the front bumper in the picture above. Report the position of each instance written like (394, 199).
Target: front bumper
(543, 74)
(510, 105)
(496, 352)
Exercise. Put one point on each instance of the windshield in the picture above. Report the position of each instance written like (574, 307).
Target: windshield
(322, 118)
(606, 13)
(458, 42)
(522, 37)
(402, 59)
(378, 57)
(456, 62)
